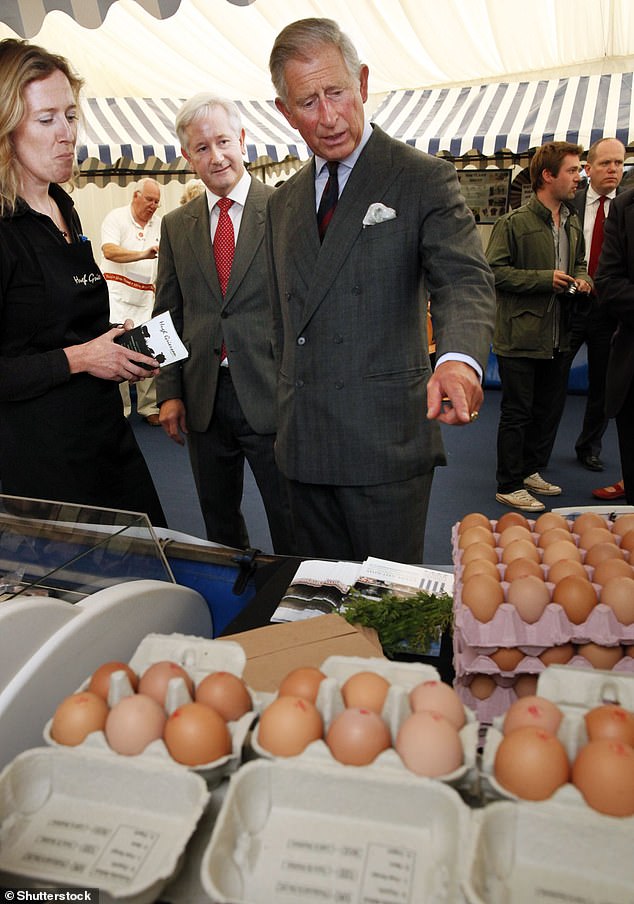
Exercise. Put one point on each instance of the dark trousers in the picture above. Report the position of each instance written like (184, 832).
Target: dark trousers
(353, 522)
(625, 432)
(528, 418)
(217, 457)
(595, 329)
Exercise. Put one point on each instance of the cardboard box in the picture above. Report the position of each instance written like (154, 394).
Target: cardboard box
(274, 650)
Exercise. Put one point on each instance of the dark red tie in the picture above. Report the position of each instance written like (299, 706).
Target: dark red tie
(224, 247)
(597, 237)
(329, 199)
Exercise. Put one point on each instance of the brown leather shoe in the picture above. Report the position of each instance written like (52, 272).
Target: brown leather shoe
(153, 420)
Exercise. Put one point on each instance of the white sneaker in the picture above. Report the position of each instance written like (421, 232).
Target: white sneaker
(536, 484)
(522, 500)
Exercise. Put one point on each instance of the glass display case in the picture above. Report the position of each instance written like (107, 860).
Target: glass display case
(70, 551)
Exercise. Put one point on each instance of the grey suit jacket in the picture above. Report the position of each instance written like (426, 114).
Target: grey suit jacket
(350, 315)
(187, 286)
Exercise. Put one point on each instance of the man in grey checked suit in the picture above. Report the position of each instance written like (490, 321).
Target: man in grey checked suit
(223, 396)
(358, 433)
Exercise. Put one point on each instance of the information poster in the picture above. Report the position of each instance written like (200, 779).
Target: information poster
(486, 192)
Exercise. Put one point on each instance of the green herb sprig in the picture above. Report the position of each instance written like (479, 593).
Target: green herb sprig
(403, 623)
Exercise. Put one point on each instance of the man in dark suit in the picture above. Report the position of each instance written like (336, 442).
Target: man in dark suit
(223, 396)
(615, 286)
(358, 436)
(604, 168)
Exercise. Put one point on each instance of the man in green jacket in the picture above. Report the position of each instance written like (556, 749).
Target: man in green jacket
(537, 255)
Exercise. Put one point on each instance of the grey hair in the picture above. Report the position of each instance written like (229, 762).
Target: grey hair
(299, 38)
(140, 186)
(200, 105)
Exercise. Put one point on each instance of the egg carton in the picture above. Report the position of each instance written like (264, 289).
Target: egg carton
(575, 692)
(548, 851)
(82, 820)
(497, 703)
(199, 657)
(403, 677)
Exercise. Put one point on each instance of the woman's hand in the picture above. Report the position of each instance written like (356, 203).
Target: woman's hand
(104, 358)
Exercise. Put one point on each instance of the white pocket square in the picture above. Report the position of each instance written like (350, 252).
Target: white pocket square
(378, 213)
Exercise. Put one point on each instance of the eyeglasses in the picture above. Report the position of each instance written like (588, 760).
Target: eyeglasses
(151, 201)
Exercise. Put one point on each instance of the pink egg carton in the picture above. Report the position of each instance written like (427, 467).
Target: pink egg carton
(495, 705)
(471, 661)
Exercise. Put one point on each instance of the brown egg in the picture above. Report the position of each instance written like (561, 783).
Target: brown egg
(473, 519)
(531, 763)
(482, 594)
(594, 535)
(521, 568)
(100, 679)
(478, 551)
(586, 520)
(428, 744)
(520, 549)
(78, 716)
(559, 550)
(576, 596)
(610, 721)
(623, 524)
(552, 535)
(599, 656)
(563, 568)
(156, 677)
(437, 696)
(532, 710)
(367, 690)
(629, 650)
(507, 659)
(530, 596)
(549, 520)
(627, 543)
(525, 685)
(476, 534)
(226, 693)
(602, 551)
(302, 682)
(288, 725)
(618, 594)
(357, 736)
(514, 532)
(196, 734)
(510, 518)
(611, 568)
(480, 566)
(133, 723)
(559, 655)
(604, 773)
(482, 686)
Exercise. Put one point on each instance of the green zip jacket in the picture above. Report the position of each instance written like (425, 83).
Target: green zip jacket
(531, 318)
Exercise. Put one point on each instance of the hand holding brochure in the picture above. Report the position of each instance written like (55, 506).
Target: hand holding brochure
(156, 338)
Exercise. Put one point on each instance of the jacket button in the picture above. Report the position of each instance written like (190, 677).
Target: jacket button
(338, 339)
(339, 384)
(356, 290)
(299, 384)
(224, 314)
(301, 340)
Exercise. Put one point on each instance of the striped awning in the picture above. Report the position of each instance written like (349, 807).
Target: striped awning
(137, 129)
(515, 116)
(25, 17)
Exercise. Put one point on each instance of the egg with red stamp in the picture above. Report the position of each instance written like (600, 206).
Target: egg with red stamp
(429, 745)
(531, 763)
(288, 725)
(155, 680)
(356, 736)
(437, 696)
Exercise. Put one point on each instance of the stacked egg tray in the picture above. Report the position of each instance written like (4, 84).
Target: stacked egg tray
(499, 659)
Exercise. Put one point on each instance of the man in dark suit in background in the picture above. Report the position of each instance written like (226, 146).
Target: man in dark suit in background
(223, 396)
(615, 286)
(604, 168)
(350, 311)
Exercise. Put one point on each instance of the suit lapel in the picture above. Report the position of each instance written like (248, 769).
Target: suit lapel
(200, 241)
(250, 237)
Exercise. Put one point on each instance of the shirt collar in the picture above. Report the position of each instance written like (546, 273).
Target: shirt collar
(238, 193)
(352, 158)
(593, 196)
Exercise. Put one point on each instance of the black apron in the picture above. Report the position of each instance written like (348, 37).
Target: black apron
(73, 444)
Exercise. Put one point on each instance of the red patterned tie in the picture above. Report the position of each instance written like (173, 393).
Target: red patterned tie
(224, 246)
(597, 237)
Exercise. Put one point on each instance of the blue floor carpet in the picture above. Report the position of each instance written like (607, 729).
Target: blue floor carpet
(467, 484)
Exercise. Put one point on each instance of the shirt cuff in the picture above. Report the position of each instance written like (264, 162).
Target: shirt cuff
(466, 359)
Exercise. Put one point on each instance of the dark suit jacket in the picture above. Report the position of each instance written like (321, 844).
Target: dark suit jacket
(614, 280)
(187, 286)
(350, 315)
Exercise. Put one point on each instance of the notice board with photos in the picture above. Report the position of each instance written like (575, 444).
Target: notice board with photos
(486, 192)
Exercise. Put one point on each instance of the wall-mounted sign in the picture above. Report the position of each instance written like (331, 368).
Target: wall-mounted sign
(486, 192)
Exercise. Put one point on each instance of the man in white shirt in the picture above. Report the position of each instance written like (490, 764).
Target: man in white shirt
(129, 245)
(604, 169)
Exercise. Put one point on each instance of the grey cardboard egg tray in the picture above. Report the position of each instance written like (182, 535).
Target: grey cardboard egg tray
(575, 691)
(199, 657)
(402, 677)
